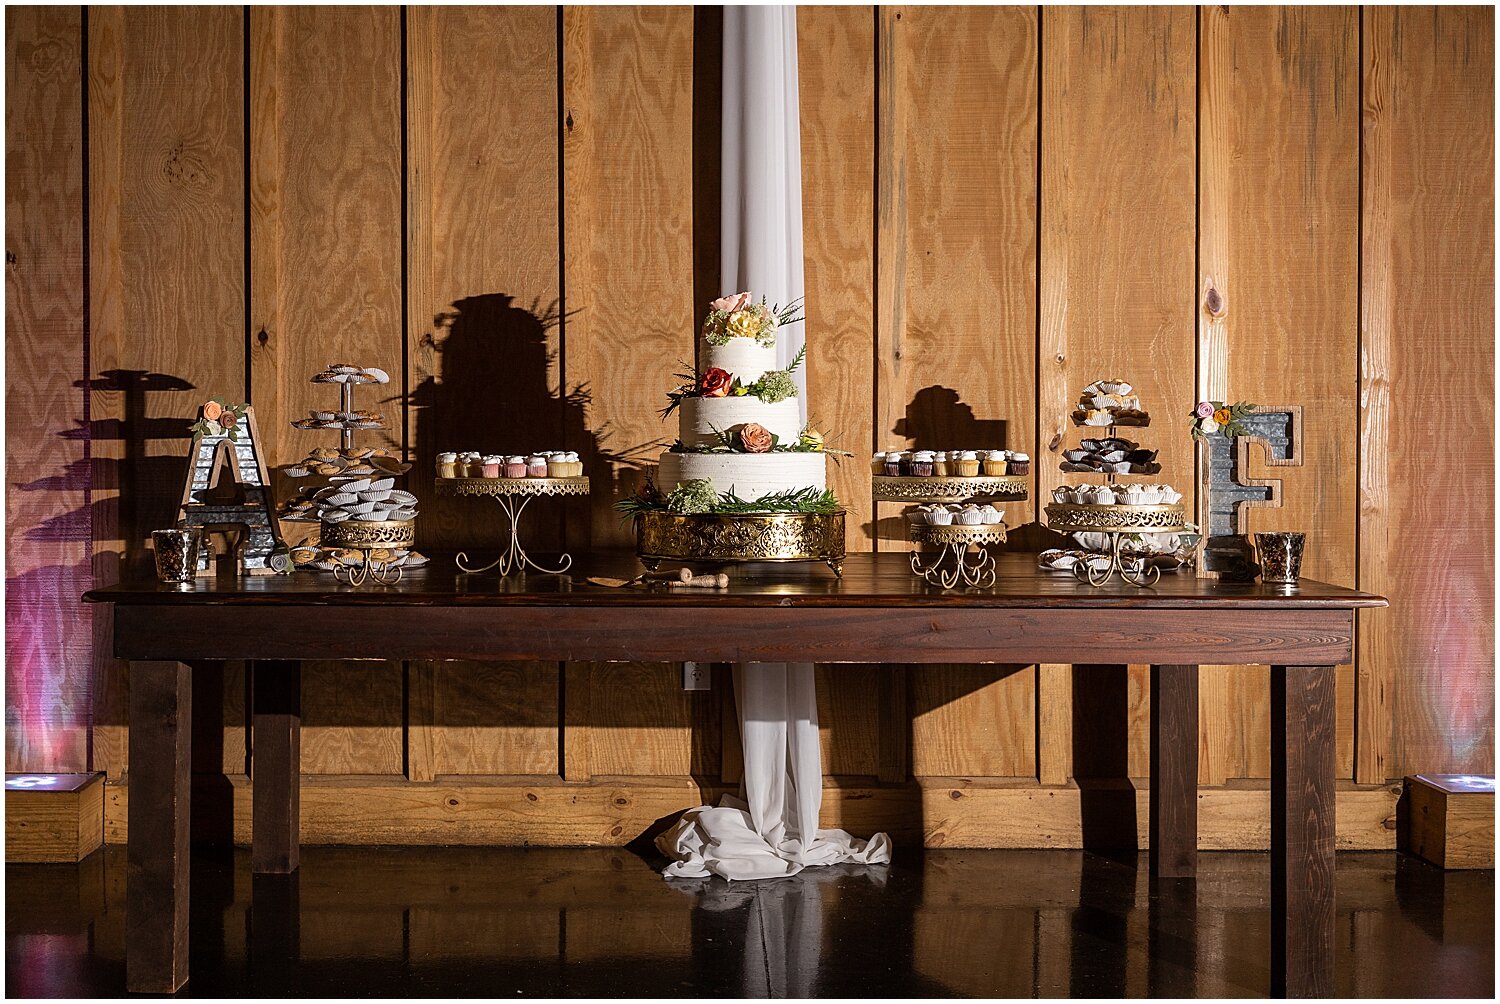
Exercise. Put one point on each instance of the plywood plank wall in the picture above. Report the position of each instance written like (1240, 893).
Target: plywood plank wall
(514, 212)
(1427, 350)
(49, 676)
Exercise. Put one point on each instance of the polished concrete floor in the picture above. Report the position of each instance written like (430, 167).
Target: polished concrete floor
(512, 922)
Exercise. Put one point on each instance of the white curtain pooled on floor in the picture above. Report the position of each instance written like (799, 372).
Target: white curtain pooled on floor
(772, 831)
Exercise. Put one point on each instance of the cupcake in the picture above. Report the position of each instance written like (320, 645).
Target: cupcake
(877, 464)
(939, 516)
(490, 466)
(447, 465)
(536, 466)
(940, 464)
(921, 464)
(967, 465)
(989, 515)
(1105, 495)
(994, 463)
(893, 464)
(565, 465)
(1020, 463)
(473, 465)
(969, 515)
(515, 467)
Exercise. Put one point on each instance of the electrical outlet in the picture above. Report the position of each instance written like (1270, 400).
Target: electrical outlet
(695, 676)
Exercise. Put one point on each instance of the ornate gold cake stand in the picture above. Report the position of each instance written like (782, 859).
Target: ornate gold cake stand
(369, 537)
(953, 538)
(514, 495)
(1117, 521)
(715, 538)
(953, 564)
(914, 490)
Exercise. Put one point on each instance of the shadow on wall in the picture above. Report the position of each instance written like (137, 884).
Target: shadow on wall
(498, 390)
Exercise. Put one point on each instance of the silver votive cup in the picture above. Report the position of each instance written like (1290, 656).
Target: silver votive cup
(177, 554)
(1280, 556)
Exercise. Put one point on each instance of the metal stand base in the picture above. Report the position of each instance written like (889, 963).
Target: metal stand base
(357, 575)
(514, 558)
(978, 572)
(1146, 575)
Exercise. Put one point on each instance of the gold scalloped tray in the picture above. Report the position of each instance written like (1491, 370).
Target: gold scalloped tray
(1066, 517)
(513, 486)
(1012, 487)
(369, 535)
(708, 537)
(958, 533)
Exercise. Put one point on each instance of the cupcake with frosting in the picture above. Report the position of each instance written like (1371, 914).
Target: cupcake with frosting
(877, 463)
(491, 466)
(515, 467)
(474, 464)
(1020, 463)
(447, 465)
(921, 464)
(893, 464)
(994, 463)
(967, 464)
(564, 465)
(940, 468)
(536, 466)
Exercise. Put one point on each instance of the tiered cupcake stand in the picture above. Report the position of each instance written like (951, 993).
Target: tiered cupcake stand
(378, 541)
(514, 495)
(1116, 521)
(955, 564)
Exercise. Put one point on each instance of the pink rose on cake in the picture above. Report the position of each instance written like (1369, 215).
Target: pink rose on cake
(730, 304)
(756, 438)
(715, 382)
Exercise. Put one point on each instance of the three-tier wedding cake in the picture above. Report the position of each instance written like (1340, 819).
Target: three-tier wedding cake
(739, 422)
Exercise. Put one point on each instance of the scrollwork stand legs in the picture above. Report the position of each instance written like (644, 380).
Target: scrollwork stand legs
(514, 558)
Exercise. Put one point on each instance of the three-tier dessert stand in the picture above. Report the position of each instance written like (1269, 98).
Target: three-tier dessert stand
(1116, 521)
(955, 563)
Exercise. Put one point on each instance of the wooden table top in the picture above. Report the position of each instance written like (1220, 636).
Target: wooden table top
(870, 580)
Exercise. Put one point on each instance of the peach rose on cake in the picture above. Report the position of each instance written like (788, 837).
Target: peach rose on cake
(756, 438)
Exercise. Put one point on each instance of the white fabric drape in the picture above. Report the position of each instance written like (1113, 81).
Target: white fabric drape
(772, 831)
(761, 191)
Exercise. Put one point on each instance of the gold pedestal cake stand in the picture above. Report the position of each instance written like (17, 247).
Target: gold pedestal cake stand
(721, 538)
(1117, 521)
(954, 539)
(514, 495)
(370, 537)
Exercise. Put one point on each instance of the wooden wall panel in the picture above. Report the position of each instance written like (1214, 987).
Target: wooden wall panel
(957, 177)
(1278, 223)
(48, 644)
(327, 243)
(485, 350)
(628, 257)
(1117, 225)
(836, 77)
(1427, 528)
(166, 257)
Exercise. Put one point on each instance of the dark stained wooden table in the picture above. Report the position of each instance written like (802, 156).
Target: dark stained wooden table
(878, 613)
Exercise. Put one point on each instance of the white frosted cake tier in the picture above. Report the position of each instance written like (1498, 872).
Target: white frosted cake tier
(700, 416)
(748, 475)
(742, 357)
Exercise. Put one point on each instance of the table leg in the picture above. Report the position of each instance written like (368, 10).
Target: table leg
(1173, 807)
(159, 827)
(1303, 726)
(276, 764)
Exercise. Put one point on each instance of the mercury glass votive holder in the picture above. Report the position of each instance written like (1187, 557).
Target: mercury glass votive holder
(1280, 556)
(177, 554)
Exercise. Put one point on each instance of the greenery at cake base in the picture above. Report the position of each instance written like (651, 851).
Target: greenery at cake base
(699, 496)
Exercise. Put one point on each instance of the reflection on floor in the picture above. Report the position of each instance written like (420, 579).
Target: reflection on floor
(509, 922)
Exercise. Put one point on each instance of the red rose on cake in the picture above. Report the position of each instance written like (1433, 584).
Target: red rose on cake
(755, 438)
(715, 382)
